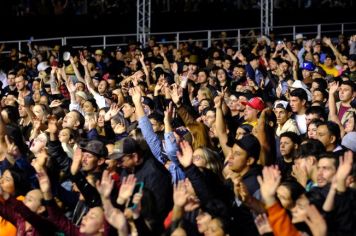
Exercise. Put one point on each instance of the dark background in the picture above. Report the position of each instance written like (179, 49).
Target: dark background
(20, 22)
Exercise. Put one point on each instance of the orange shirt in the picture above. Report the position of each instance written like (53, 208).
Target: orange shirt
(6, 228)
(280, 222)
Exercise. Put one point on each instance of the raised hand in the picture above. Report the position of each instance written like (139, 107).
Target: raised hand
(137, 202)
(136, 95)
(180, 194)
(344, 170)
(185, 157)
(126, 189)
(240, 190)
(77, 159)
(40, 161)
(269, 184)
(12, 149)
(106, 184)
(262, 224)
(116, 218)
(92, 122)
(218, 101)
(327, 41)
(300, 174)
(315, 221)
(334, 86)
(175, 94)
(168, 113)
(45, 184)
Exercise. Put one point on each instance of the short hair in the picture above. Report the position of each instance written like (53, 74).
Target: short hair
(295, 188)
(333, 129)
(323, 92)
(349, 83)
(312, 147)
(320, 111)
(330, 156)
(292, 136)
(300, 93)
(321, 82)
(157, 117)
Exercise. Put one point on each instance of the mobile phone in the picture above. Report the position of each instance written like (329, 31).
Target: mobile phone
(138, 189)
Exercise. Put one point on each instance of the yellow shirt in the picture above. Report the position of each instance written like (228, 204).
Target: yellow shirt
(253, 123)
(330, 71)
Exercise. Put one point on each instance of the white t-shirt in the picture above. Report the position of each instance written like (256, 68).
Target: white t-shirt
(302, 123)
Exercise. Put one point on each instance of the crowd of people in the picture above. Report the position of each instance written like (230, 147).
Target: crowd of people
(159, 140)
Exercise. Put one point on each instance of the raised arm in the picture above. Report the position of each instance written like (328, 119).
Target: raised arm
(220, 125)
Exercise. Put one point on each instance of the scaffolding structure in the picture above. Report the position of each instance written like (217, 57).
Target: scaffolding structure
(143, 18)
(266, 16)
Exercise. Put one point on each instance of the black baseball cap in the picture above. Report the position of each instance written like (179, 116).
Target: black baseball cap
(124, 147)
(249, 143)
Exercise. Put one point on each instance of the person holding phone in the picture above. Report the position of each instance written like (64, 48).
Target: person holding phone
(156, 181)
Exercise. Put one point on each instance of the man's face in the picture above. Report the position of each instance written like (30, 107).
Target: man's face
(22, 111)
(282, 115)
(296, 104)
(286, 146)
(306, 74)
(20, 83)
(93, 221)
(250, 114)
(11, 80)
(326, 171)
(128, 110)
(202, 77)
(70, 120)
(89, 162)
(157, 127)
(324, 136)
(317, 96)
(128, 161)
(328, 62)
(38, 143)
(237, 160)
(102, 86)
(345, 93)
(310, 117)
(33, 200)
(299, 211)
(238, 72)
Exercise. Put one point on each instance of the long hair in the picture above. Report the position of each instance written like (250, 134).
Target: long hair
(213, 161)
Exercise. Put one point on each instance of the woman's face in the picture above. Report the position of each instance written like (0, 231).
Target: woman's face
(38, 111)
(299, 211)
(221, 75)
(7, 183)
(312, 129)
(203, 221)
(101, 118)
(64, 135)
(88, 107)
(198, 158)
(215, 228)
(202, 105)
(284, 196)
(93, 222)
(350, 125)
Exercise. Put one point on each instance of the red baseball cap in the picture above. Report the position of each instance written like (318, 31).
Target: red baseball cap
(255, 103)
